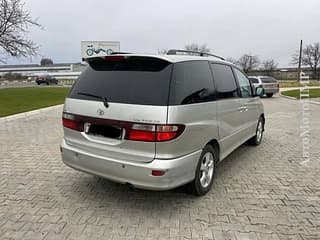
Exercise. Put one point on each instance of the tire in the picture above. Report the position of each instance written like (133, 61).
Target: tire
(256, 140)
(47, 83)
(205, 170)
(269, 95)
(90, 52)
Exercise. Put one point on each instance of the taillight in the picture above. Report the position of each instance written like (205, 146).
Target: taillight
(69, 121)
(167, 132)
(154, 133)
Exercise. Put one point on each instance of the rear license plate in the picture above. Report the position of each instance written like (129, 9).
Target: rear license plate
(103, 131)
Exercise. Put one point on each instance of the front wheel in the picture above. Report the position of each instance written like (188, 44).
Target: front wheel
(256, 140)
(269, 94)
(204, 172)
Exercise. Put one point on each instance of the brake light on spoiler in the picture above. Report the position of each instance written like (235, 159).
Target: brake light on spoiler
(133, 131)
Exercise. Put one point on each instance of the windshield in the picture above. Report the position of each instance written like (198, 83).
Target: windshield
(133, 80)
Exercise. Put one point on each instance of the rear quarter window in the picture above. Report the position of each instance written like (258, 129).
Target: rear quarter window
(191, 83)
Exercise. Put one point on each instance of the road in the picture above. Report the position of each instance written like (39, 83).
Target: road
(265, 192)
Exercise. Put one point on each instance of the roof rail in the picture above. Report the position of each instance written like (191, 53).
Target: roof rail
(175, 51)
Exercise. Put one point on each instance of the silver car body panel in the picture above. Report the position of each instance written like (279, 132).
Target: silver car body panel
(179, 171)
(201, 126)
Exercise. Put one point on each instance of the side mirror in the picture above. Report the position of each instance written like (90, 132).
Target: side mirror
(259, 91)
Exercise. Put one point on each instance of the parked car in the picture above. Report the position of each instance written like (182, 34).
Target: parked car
(270, 84)
(159, 121)
(47, 79)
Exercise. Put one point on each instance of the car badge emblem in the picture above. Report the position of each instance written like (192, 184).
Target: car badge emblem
(100, 112)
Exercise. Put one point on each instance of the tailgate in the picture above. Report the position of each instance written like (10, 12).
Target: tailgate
(104, 129)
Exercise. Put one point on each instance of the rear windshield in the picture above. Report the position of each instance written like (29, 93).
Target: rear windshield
(268, 80)
(131, 80)
(254, 80)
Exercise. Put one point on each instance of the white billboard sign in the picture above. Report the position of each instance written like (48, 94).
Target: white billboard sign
(91, 49)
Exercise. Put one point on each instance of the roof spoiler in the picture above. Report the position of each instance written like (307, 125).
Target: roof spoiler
(175, 51)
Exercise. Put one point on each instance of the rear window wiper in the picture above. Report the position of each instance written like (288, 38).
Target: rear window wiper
(104, 99)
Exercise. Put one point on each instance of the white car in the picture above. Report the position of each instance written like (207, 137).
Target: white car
(270, 84)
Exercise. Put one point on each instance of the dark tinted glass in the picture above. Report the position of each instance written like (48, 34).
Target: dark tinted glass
(254, 80)
(225, 82)
(191, 83)
(135, 80)
(268, 80)
(244, 84)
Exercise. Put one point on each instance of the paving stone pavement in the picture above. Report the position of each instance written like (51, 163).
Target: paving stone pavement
(264, 192)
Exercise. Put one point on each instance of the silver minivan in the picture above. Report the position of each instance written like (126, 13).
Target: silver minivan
(159, 121)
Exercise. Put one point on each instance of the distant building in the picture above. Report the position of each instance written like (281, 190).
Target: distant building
(290, 73)
(31, 70)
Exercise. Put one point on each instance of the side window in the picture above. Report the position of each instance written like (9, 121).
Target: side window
(225, 82)
(191, 83)
(244, 84)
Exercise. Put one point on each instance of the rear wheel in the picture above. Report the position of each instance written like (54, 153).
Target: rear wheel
(204, 172)
(256, 140)
(269, 94)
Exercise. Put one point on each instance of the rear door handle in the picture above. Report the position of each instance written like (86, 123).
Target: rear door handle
(243, 109)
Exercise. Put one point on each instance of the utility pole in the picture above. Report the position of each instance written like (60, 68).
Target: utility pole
(299, 67)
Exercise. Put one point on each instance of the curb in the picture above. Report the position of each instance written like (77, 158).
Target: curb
(28, 114)
(314, 102)
(284, 96)
(292, 98)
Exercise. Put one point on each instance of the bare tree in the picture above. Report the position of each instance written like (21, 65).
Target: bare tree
(232, 60)
(310, 57)
(269, 66)
(197, 48)
(248, 62)
(46, 62)
(14, 24)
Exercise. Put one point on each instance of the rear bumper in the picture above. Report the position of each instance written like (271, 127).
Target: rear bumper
(179, 171)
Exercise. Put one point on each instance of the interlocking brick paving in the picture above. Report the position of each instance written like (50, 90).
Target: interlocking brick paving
(259, 192)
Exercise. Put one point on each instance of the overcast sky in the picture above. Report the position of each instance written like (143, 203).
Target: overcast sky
(270, 29)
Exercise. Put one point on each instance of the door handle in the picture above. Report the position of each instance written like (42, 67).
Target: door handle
(240, 109)
(243, 109)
